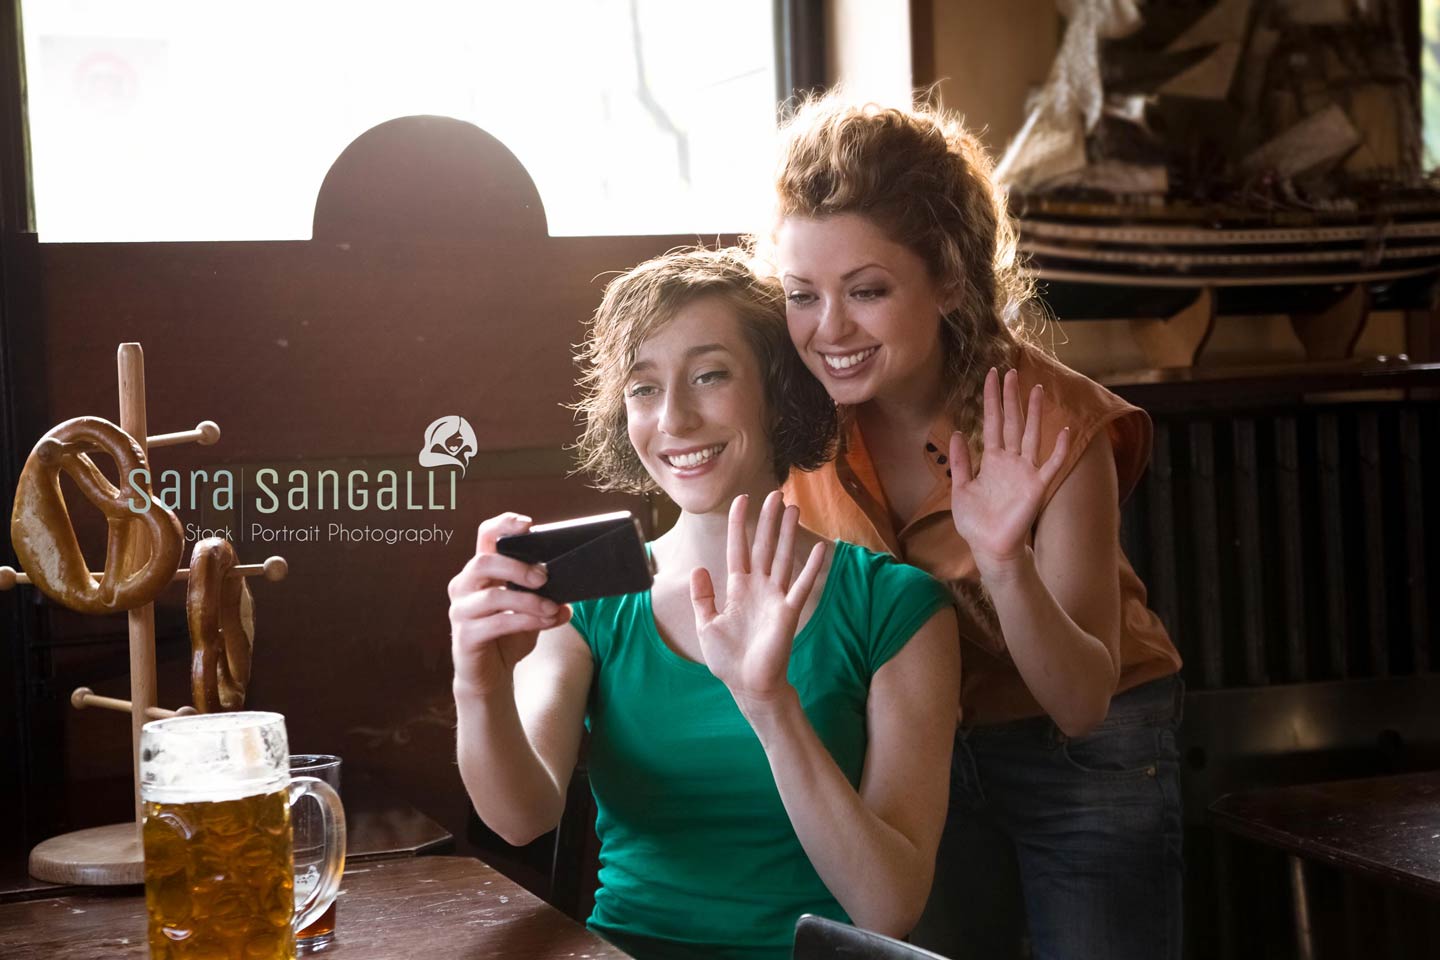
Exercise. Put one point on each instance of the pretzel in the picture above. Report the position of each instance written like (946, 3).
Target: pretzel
(142, 550)
(221, 615)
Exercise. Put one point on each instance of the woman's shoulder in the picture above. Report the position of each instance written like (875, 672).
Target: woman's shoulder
(1069, 389)
(1087, 408)
(887, 600)
(866, 572)
(615, 613)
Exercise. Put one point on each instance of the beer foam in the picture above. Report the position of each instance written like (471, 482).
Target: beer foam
(212, 790)
(214, 757)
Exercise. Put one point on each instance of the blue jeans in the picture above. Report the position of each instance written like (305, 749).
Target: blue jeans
(1076, 841)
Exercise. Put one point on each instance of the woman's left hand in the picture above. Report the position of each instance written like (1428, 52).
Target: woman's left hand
(747, 643)
(995, 509)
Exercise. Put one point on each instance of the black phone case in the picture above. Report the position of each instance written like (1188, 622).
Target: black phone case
(584, 561)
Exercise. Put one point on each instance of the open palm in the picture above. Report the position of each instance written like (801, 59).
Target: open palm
(747, 643)
(995, 508)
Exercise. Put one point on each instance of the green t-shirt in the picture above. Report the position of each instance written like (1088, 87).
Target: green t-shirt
(697, 855)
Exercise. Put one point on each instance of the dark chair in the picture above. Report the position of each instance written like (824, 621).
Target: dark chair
(819, 939)
(563, 866)
(575, 864)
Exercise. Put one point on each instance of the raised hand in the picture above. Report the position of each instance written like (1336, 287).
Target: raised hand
(747, 644)
(492, 628)
(995, 509)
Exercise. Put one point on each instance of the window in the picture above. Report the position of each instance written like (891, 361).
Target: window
(185, 120)
(1430, 79)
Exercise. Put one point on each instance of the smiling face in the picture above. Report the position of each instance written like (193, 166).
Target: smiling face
(862, 310)
(695, 409)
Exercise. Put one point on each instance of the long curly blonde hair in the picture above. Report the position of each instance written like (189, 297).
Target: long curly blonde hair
(928, 182)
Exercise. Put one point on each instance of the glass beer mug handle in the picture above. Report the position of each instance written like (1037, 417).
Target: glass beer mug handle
(308, 907)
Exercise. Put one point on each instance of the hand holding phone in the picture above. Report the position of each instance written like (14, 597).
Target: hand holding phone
(588, 557)
(492, 630)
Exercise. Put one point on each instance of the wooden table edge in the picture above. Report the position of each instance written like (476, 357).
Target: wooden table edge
(1318, 852)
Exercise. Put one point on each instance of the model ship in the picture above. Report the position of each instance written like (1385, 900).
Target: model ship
(1234, 144)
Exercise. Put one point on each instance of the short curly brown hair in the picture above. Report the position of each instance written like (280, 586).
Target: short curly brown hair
(802, 430)
(929, 184)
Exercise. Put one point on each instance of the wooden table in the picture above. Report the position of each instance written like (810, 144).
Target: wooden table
(1384, 827)
(436, 907)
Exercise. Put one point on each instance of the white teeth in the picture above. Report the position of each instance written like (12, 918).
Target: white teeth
(687, 460)
(849, 360)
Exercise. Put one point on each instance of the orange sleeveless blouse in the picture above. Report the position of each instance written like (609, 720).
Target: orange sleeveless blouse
(843, 500)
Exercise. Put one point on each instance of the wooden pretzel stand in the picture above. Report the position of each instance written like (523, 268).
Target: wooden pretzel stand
(113, 854)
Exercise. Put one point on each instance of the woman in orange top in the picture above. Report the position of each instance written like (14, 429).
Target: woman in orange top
(970, 452)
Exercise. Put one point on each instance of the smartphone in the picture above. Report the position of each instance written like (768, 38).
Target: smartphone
(588, 557)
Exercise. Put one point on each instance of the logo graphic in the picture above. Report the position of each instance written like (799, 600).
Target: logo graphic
(449, 441)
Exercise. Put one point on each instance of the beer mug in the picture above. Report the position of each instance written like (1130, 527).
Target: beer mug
(219, 870)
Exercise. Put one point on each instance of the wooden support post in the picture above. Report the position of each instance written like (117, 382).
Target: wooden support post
(130, 361)
(1332, 333)
(1178, 340)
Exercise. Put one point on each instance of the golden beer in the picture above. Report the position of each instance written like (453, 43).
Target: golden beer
(219, 880)
(219, 874)
(322, 927)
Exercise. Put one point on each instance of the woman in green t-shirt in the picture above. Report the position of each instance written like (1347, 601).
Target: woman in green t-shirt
(770, 724)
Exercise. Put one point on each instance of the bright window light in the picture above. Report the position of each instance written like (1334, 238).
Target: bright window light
(1430, 79)
(202, 120)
